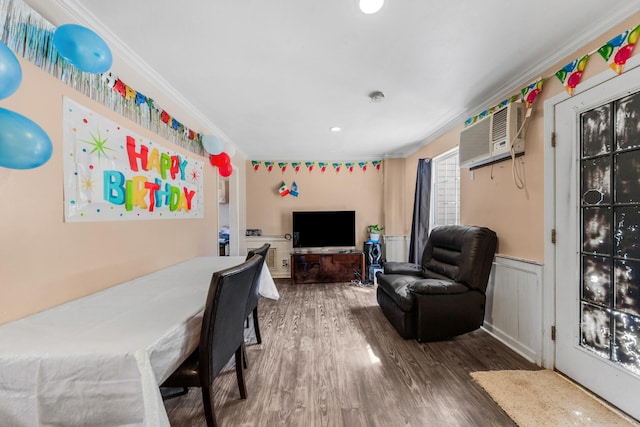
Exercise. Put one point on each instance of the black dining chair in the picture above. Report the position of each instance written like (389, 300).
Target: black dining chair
(221, 335)
(254, 295)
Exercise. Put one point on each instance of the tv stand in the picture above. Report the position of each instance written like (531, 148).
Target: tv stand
(326, 266)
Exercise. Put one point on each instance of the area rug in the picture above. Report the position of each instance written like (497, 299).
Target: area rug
(546, 398)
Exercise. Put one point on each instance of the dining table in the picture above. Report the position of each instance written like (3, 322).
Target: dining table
(99, 360)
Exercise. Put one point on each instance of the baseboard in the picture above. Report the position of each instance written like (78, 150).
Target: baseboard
(514, 345)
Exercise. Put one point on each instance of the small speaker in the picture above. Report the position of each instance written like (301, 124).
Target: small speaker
(372, 253)
(372, 257)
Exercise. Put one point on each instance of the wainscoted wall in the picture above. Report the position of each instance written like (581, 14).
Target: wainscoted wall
(396, 248)
(514, 305)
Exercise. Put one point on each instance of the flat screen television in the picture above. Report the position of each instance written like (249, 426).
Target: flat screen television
(322, 229)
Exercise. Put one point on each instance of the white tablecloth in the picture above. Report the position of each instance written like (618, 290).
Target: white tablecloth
(98, 360)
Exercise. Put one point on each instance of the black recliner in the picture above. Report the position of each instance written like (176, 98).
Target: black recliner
(443, 296)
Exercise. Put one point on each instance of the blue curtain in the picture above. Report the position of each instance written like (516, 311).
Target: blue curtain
(421, 207)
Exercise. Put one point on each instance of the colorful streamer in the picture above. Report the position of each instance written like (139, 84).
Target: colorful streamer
(504, 103)
(617, 50)
(28, 34)
(337, 166)
(571, 74)
(531, 92)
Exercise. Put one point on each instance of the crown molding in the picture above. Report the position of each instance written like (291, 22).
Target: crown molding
(522, 79)
(75, 11)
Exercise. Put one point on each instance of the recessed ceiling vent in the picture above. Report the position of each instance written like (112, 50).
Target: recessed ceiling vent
(376, 96)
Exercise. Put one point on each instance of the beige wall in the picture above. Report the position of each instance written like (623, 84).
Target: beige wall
(344, 190)
(395, 212)
(45, 261)
(488, 197)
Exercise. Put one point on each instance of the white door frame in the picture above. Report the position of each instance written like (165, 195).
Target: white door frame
(549, 280)
(237, 203)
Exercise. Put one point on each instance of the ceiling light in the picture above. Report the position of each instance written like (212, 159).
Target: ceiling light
(335, 129)
(370, 6)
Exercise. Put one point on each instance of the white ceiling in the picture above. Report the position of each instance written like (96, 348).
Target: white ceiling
(271, 77)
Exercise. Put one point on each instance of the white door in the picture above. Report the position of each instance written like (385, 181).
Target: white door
(598, 240)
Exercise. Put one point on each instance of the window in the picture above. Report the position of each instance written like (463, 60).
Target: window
(445, 190)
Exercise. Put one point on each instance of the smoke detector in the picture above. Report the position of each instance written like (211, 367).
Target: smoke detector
(376, 96)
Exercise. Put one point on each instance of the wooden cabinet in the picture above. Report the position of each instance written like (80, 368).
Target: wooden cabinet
(320, 267)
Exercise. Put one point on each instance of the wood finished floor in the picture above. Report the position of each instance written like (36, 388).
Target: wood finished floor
(329, 357)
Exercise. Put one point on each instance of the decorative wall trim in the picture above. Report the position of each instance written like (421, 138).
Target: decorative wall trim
(509, 87)
(81, 14)
(30, 35)
(514, 305)
(396, 248)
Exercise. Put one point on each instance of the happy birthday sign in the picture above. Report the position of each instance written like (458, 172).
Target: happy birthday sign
(113, 174)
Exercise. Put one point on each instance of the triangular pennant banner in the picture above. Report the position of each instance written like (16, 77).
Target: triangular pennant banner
(571, 74)
(531, 92)
(617, 50)
(337, 166)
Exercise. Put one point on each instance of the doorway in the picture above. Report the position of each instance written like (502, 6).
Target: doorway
(597, 254)
(224, 230)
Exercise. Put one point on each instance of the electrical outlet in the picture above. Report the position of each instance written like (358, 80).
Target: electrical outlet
(285, 263)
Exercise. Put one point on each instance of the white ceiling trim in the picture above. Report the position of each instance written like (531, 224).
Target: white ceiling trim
(79, 13)
(523, 79)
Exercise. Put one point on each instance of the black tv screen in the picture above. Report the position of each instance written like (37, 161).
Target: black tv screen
(317, 229)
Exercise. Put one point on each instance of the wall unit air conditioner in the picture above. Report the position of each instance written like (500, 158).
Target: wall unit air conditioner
(490, 138)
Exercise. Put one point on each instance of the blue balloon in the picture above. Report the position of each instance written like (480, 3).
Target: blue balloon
(212, 144)
(10, 71)
(83, 48)
(23, 144)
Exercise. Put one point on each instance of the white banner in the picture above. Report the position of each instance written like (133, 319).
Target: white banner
(111, 174)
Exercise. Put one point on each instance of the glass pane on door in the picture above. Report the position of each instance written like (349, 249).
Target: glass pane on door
(610, 232)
